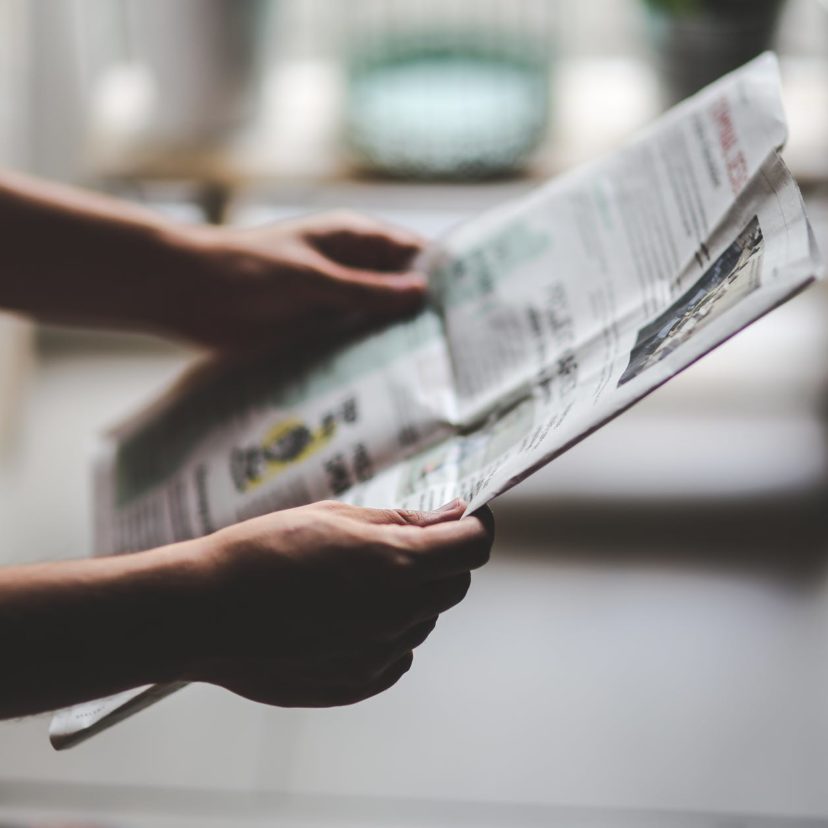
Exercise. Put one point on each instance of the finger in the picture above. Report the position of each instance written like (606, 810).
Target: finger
(414, 637)
(367, 282)
(379, 685)
(267, 685)
(444, 549)
(440, 596)
(411, 637)
(486, 517)
(453, 510)
(414, 608)
(352, 220)
(380, 250)
(363, 242)
(401, 237)
(367, 663)
(357, 667)
(406, 517)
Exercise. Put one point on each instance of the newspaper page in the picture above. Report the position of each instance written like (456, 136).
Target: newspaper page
(548, 317)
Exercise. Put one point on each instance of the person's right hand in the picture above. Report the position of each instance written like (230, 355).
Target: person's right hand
(324, 604)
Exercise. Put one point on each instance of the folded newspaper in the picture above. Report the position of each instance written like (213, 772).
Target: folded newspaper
(547, 317)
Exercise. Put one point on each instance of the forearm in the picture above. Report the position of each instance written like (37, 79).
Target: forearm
(76, 630)
(72, 256)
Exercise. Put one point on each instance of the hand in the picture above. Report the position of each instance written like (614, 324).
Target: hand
(80, 258)
(301, 281)
(324, 604)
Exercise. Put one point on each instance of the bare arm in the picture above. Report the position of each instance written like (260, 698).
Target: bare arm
(321, 605)
(317, 606)
(77, 257)
(76, 630)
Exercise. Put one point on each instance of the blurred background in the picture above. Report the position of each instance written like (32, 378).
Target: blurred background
(649, 645)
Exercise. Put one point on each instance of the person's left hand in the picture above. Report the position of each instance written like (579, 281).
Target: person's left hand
(294, 282)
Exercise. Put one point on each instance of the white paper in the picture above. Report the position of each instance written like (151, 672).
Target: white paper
(548, 316)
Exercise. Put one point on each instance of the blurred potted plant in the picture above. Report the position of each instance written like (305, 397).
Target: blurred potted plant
(447, 90)
(697, 41)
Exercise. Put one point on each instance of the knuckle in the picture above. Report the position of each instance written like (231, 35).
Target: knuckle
(404, 562)
(329, 505)
(414, 539)
(484, 550)
(402, 545)
(396, 625)
(409, 517)
(363, 672)
(422, 633)
(347, 696)
(486, 518)
(396, 557)
(458, 589)
(393, 516)
(479, 550)
(343, 216)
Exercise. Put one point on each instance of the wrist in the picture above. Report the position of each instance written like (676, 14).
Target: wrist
(176, 585)
(199, 615)
(174, 282)
(196, 291)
